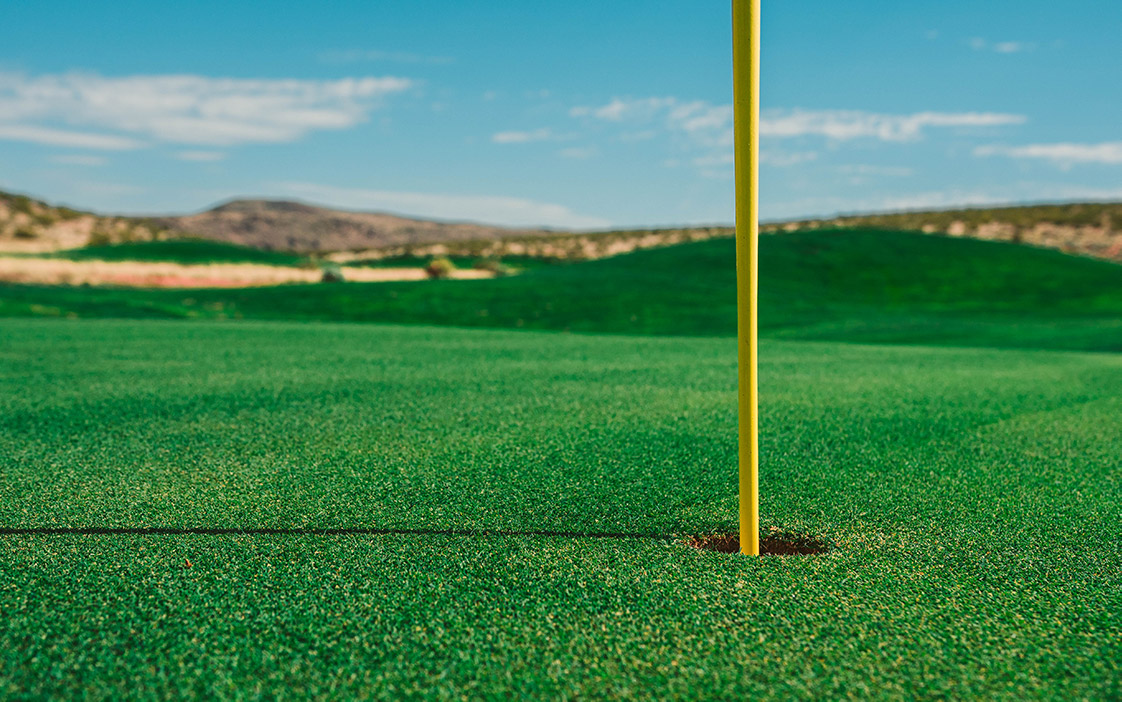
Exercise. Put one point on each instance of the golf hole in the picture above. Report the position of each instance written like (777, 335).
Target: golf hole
(772, 545)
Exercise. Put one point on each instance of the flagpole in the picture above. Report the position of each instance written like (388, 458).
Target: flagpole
(746, 107)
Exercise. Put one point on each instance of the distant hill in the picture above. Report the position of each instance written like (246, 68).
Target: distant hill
(32, 226)
(293, 226)
(1090, 229)
(28, 225)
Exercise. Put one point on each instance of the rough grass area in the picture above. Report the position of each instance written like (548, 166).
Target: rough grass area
(970, 499)
(186, 251)
(868, 286)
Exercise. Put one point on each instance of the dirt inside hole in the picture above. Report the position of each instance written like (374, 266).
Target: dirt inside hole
(770, 545)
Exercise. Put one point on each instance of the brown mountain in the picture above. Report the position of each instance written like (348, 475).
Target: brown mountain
(29, 225)
(294, 226)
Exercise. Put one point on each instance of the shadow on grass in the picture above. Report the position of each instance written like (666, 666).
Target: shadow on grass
(343, 531)
(770, 545)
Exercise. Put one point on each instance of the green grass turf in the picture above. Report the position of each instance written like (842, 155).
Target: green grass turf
(972, 498)
(187, 251)
(871, 286)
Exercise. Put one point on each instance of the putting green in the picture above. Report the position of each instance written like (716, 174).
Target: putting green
(970, 496)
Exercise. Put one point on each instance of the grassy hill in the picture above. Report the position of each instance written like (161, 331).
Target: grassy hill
(864, 285)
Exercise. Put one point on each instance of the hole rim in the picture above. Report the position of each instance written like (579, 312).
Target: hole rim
(772, 543)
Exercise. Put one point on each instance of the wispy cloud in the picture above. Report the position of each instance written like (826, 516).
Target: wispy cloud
(64, 137)
(579, 153)
(703, 131)
(862, 169)
(338, 56)
(507, 211)
(543, 134)
(1001, 47)
(713, 123)
(78, 160)
(1062, 154)
(620, 109)
(185, 109)
(845, 125)
(785, 159)
(202, 156)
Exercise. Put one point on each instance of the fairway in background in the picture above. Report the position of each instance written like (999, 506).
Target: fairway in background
(877, 286)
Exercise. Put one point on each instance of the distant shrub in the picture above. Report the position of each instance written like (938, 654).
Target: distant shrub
(439, 267)
(25, 234)
(494, 266)
(332, 274)
(21, 203)
(99, 237)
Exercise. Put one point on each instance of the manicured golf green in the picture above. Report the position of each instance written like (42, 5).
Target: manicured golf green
(507, 509)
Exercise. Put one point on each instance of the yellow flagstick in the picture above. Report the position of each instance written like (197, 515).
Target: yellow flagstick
(746, 105)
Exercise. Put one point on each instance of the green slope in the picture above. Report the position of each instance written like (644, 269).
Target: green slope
(855, 285)
(971, 497)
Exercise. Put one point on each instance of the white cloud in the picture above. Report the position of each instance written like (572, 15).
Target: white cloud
(78, 160)
(62, 137)
(620, 109)
(704, 132)
(202, 156)
(1063, 154)
(845, 125)
(507, 211)
(185, 109)
(715, 161)
(870, 170)
(644, 135)
(699, 128)
(579, 152)
(782, 159)
(713, 124)
(543, 134)
(1001, 47)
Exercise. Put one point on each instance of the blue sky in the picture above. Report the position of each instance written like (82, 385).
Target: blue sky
(578, 114)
